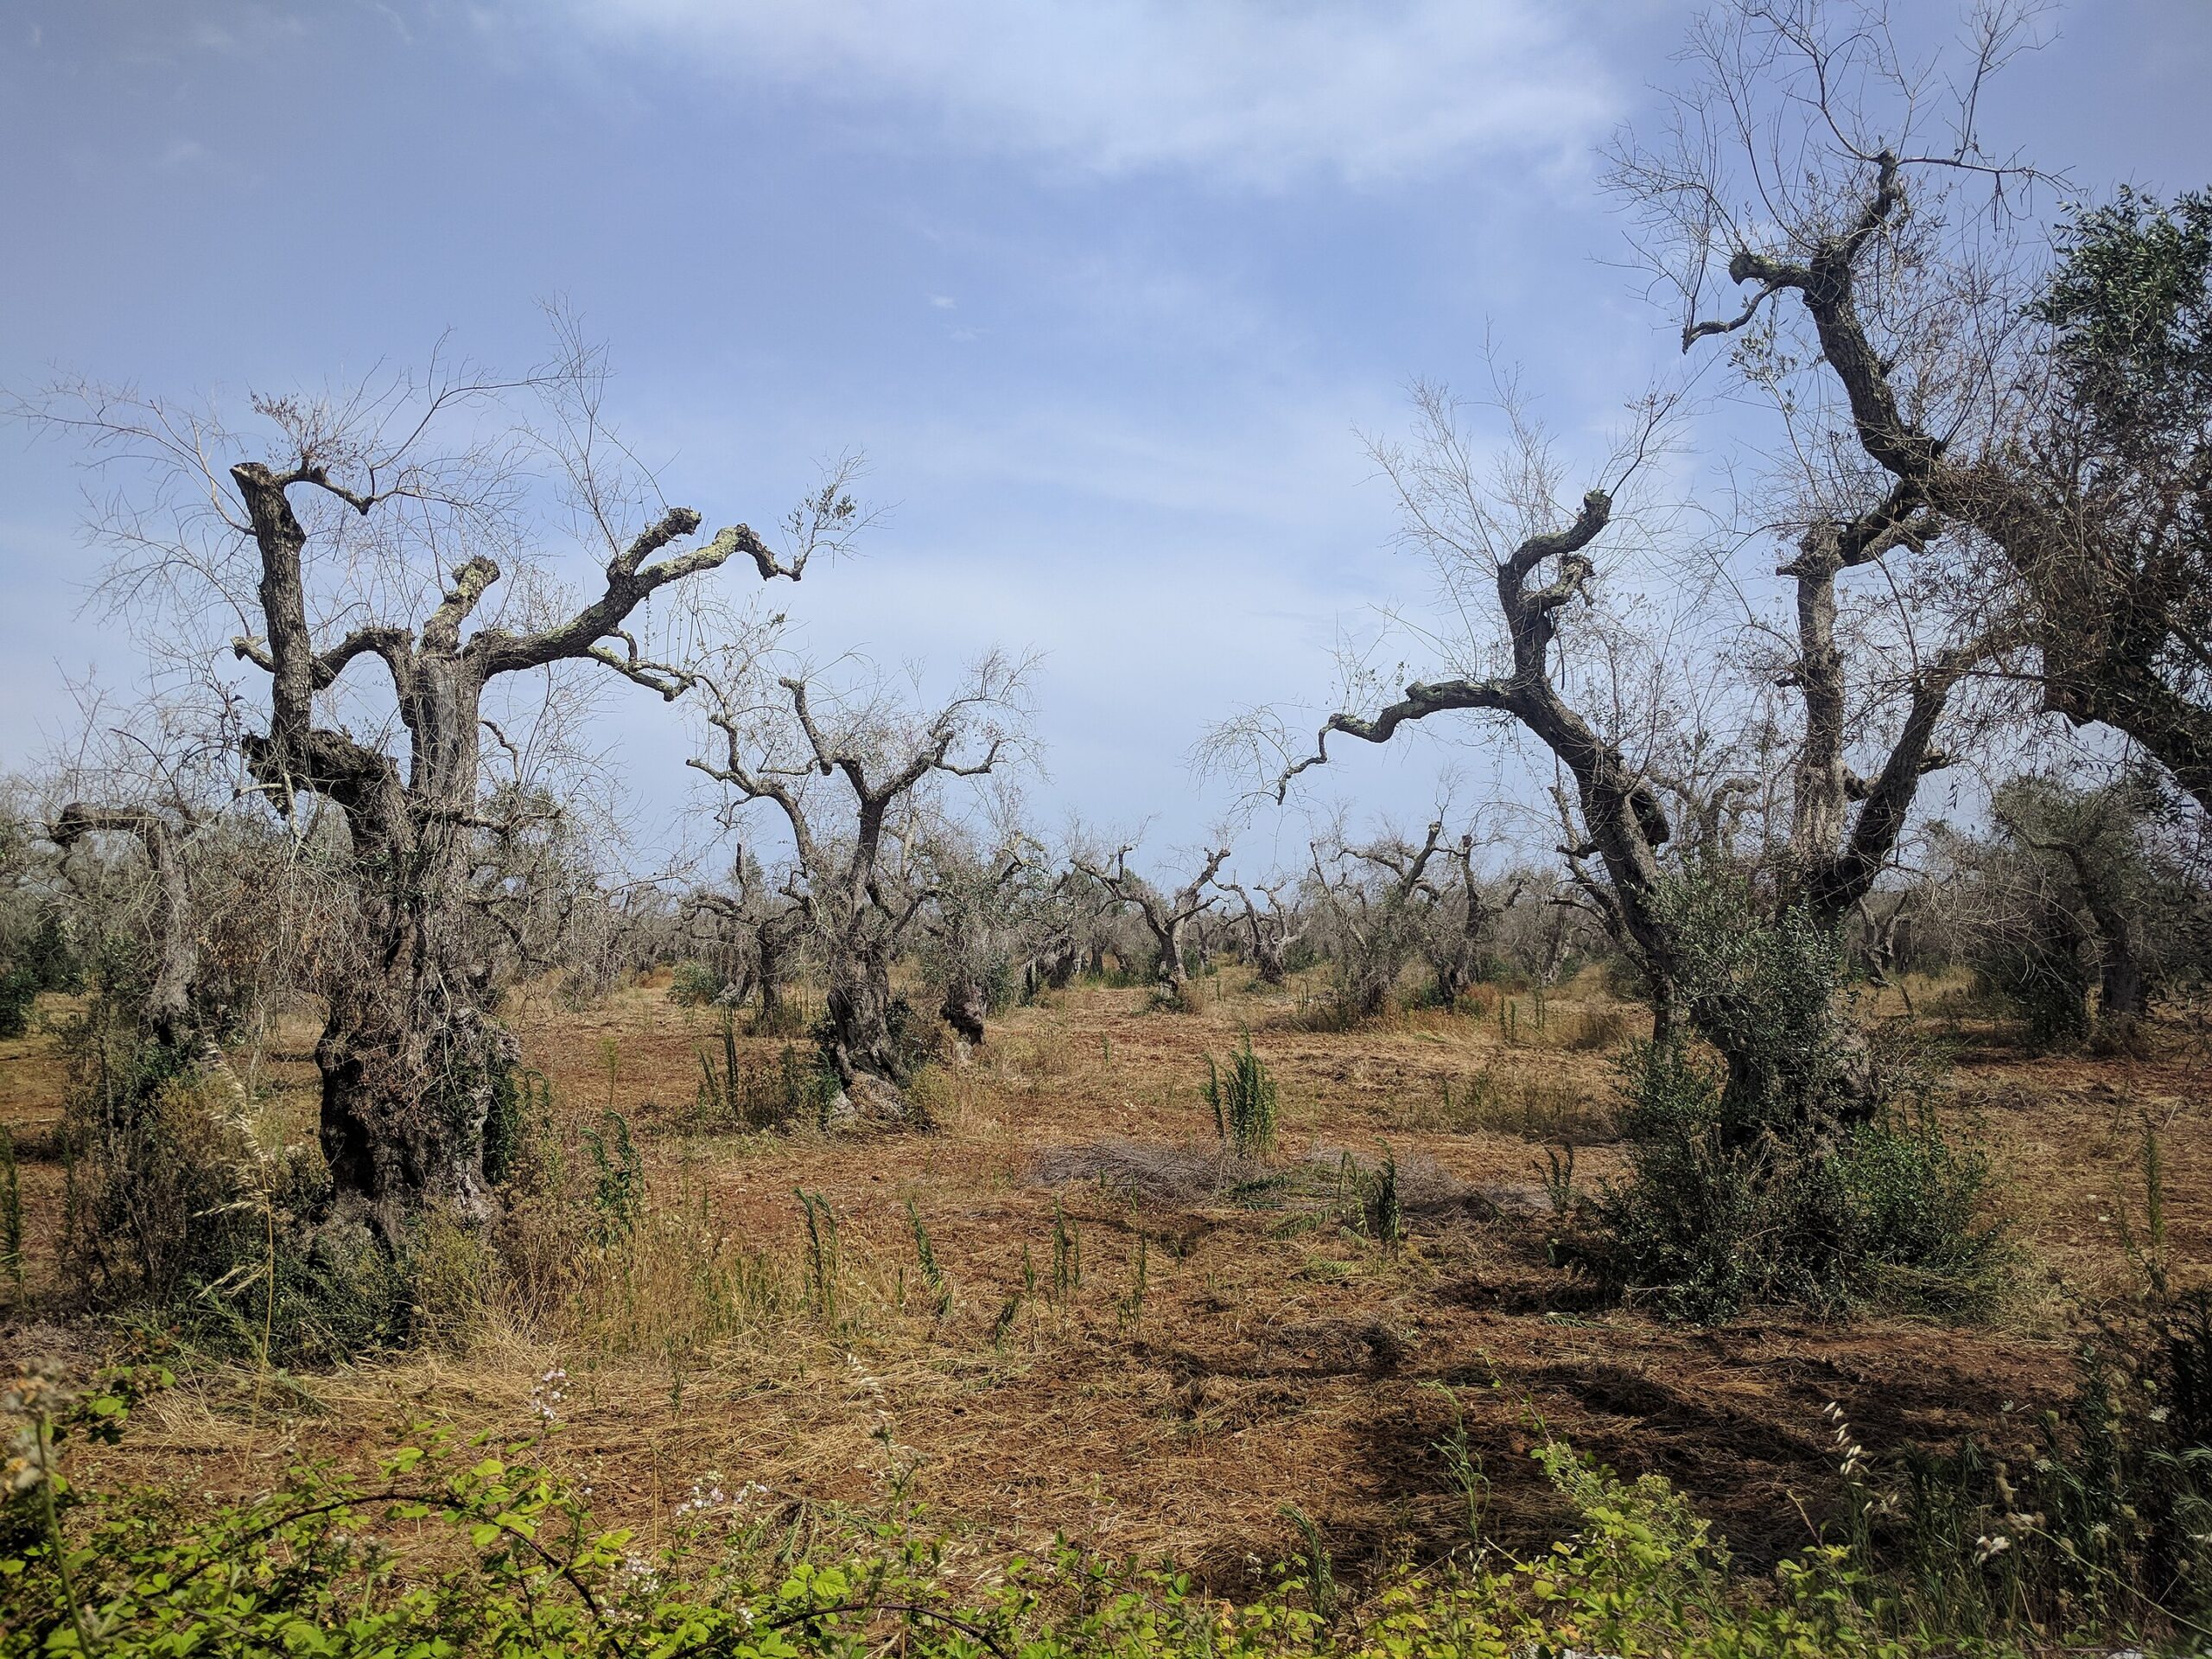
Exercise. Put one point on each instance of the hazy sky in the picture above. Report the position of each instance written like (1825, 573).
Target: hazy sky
(1104, 290)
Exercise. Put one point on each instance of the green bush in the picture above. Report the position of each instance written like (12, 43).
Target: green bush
(2043, 977)
(1889, 1212)
(1810, 1169)
(694, 984)
(19, 989)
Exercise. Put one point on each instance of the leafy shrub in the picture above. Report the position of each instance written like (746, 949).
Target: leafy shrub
(694, 984)
(19, 989)
(1810, 1169)
(2042, 976)
(1889, 1212)
(38, 956)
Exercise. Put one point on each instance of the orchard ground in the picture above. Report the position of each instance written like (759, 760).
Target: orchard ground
(1205, 1347)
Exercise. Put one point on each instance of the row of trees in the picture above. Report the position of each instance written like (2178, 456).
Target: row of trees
(1988, 476)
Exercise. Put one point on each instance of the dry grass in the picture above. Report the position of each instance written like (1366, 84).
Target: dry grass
(1276, 1355)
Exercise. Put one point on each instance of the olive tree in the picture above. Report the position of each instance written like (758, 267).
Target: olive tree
(370, 530)
(1167, 917)
(854, 773)
(1839, 182)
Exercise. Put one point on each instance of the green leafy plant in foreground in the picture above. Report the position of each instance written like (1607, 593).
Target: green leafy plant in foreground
(456, 1546)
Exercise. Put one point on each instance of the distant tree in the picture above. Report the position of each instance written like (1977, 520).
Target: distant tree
(850, 779)
(1379, 902)
(1270, 933)
(1466, 910)
(1167, 917)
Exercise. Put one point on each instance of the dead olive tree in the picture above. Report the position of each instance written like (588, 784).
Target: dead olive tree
(851, 781)
(1167, 917)
(2060, 409)
(1467, 912)
(1378, 901)
(1505, 530)
(175, 923)
(1272, 932)
(764, 926)
(369, 528)
(983, 923)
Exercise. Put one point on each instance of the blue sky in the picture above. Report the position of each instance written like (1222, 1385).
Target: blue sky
(1104, 290)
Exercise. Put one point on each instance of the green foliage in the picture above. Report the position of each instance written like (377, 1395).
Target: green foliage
(522, 1101)
(795, 1088)
(456, 1547)
(618, 1178)
(2042, 972)
(1243, 1102)
(1888, 1212)
(940, 1287)
(11, 1215)
(18, 988)
(1766, 993)
(35, 955)
(1808, 1169)
(2130, 300)
(694, 984)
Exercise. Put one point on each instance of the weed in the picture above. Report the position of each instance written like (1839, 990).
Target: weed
(2146, 1251)
(1067, 1257)
(1130, 1309)
(1320, 1581)
(11, 1215)
(1599, 1029)
(925, 1255)
(618, 1178)
(1558, 1178)
(1382, 1211)
(1009, 1311)
(1531, 1105)
(1465, 1465)
(825, 1263)
(796, 1089)
(1243, 1102)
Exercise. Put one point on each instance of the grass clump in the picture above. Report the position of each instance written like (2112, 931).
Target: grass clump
(793, 1089)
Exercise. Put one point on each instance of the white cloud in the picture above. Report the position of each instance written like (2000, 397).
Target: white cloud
(1255, 90)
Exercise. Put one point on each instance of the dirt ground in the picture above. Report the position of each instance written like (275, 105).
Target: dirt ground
(1268, 1357)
